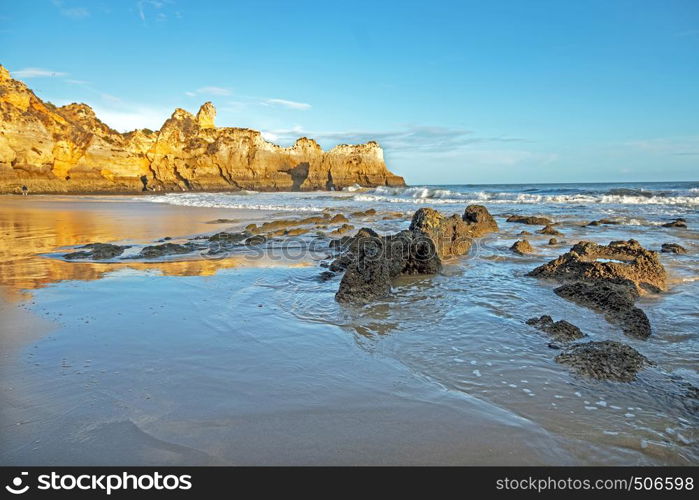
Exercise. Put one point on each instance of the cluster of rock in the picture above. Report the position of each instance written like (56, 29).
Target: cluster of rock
(371, 262)
(606, 279)
(67, 149)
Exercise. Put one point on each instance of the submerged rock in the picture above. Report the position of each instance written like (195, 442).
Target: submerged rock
(337, 219)
(529, 219)
(604, 221)
(553, 241)
(549, 229)
(522, 247)
(679, 222)
(371, 262)
(229, 238)
(366, 213)
(155, 251)
(614, 299)
(97, 251)
(561, 331)
(342, 230)
(673, 248)
(605, 360)
(589, 261)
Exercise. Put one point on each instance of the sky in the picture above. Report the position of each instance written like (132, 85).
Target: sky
(456, 92)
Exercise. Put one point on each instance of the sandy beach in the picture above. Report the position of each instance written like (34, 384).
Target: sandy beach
(189, 363)
(245, 359)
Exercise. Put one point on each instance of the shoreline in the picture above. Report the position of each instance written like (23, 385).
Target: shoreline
(216, 361)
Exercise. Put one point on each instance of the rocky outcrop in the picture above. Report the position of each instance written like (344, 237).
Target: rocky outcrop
(530, 219)
(522, 247)
(672, 248)
(614, 299)
(97, 251)
(68, 149)
(371, 262)
(607, 360)
(561, 330)
(679, 222)
(626, 260)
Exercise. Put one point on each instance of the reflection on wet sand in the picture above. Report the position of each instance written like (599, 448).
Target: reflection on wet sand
(41, 225)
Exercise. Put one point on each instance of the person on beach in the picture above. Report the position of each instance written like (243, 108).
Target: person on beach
(25, 190)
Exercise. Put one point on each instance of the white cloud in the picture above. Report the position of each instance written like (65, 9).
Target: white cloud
(287, 104)
(130, 118)
(36, 73)
(77, 82)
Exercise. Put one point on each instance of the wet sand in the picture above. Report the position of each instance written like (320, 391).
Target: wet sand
(194, 362)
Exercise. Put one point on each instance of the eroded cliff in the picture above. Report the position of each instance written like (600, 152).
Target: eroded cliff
(68, 149)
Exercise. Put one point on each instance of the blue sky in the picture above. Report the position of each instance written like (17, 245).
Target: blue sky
(456, 92)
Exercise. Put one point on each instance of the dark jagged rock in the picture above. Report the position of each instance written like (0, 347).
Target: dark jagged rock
(522, 247)
(561, 331)
(605, 360)
(371, 262)
(155, 251)
(553, 241)
(589, 261)
(673, 248)
(549, 229)
(529, 219)
(679, 222)
(614, 299)
(97, 251)
(604, 221)
(479, 221)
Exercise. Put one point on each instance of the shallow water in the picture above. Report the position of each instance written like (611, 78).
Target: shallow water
(263, 366)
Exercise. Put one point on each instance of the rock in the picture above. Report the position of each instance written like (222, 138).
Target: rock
(614, 299)
(549, 229)
(229, 238)
(368, 276)
(524, 233)
(97, 251)
(68, 149)
(338, 218)
(372, 262)
(604, 221)
(155, 251)
(553, 241)
(673, 248)
(522, 247)
(479, 221)
(561, 331)
(342, 230)
(626, 260)
(252, 228)
(296, 232)
(366, 213)
(605, 360)
(531, 220)
(681, 223)
(451, 235)
(258, 239)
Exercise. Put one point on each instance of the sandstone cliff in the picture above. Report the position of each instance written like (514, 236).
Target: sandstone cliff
(68, 149)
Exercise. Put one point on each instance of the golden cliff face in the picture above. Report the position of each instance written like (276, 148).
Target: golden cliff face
(69, 150)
